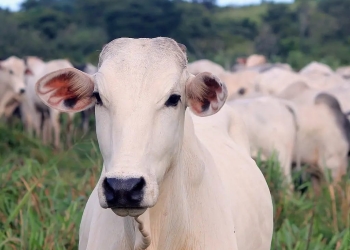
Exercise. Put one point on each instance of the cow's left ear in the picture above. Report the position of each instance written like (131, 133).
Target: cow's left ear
(205, 94)
(67, 90)
(28, 71)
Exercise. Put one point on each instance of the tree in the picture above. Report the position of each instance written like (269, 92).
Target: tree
(147, 18)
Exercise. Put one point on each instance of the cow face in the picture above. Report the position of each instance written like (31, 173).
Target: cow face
(140, 93)
(239, 84)
(12, 73)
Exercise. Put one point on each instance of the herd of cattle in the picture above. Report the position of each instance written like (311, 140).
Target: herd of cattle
(298, 117)
(184, 178)
(17, 94)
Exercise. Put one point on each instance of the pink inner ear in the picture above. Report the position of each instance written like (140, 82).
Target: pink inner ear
(198, 106)
(68, 90)
(28, 72)
(61, 88)
(205, 93)
(213, 87)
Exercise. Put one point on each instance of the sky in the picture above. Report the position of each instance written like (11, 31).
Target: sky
(14, 4)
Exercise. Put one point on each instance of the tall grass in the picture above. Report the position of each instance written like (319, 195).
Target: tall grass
(43, 193)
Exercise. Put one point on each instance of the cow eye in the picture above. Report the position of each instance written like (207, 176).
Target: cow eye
(98, 98)
(11, 72)
(173, 100)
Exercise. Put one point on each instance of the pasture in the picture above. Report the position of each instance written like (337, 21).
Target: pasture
(43, 193)
(272, 77)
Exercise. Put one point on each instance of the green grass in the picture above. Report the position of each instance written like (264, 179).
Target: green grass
(43, 193)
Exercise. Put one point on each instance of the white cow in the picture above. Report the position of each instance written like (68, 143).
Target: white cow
(239, 84)
(343, 72)
(342, 93)
(262, 67)
(275, 80)
(316, 68)
(321, 76)
(324, 140)
(205, 65)
(12, 85)
(170, 180)
(37, 115)
(255, 60)
(272, 127)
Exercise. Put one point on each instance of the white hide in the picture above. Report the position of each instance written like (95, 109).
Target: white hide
(12, 71)
(272, 127)
(343, 72)
(90, 69)
(275, 80)
(316, 68)
(239, 84)
(32, 104)
(202, 191)
(342, 93)
(324, 144)
(320, 76)
(255, 60)
(205, 65)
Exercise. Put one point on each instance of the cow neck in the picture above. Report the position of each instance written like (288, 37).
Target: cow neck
(175, 221)
(5, 84)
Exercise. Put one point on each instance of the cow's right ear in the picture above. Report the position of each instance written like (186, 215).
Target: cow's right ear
(68, 90)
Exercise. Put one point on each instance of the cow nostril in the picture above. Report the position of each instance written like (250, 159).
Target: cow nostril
(124, 192)
(139, 185)
(108, 189)
(21, 91)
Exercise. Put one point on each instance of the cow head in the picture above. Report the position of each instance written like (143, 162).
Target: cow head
(140, 93)
(12, 72)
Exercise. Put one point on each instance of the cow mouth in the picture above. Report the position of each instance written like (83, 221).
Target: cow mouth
(133, 212)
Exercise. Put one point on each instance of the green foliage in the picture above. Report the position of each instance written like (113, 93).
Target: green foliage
(77, 29)
(306, 221)
(305, 31)
(43, 193)
(142, 19)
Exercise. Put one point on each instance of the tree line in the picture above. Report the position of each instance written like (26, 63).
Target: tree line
(77, 29)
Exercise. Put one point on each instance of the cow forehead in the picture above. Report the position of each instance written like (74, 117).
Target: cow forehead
(135, 82)
(147, 50)
(15, 64)
(136, 67)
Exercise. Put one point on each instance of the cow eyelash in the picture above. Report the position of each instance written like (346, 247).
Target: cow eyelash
(173, 100)
(98, 98)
